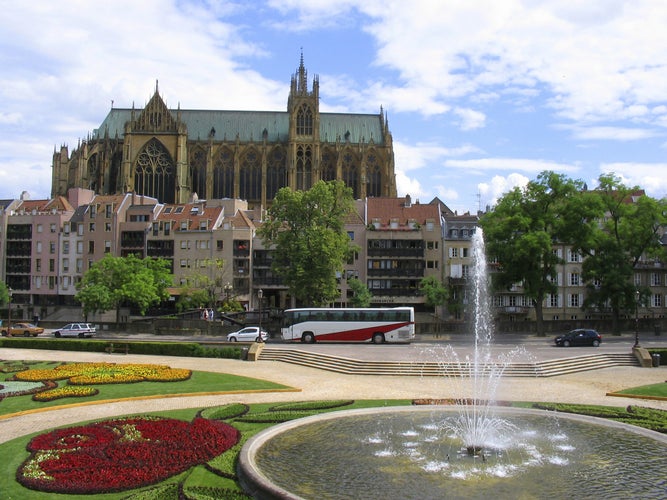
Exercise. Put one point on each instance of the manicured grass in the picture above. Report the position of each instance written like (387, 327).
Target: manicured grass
(653, 390)
(199, 382)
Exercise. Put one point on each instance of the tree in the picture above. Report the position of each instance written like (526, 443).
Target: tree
(435, 293)
(306, 230)
(521, 231)
(204, 286)
(361, 295)
(4, 294)
(112, 281)
(627, 231)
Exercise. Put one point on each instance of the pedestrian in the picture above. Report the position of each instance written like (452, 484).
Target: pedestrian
(205, 314)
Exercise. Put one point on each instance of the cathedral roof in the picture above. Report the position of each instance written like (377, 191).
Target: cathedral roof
(250, 125)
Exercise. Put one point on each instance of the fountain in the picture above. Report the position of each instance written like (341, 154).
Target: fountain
(473, 449)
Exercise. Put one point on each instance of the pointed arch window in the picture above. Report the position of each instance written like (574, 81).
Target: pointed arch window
(115, 182)
(223, 175)
(154, 172)
(304, 120)
(250, 177)
(304, 168)
(93, 173)
(198, 172)
(328, 166)
(373, 176)
(276, 172)
(351, 173)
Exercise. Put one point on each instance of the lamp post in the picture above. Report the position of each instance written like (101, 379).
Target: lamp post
(260, 296)
(228, 291)
(10, 292)
(636, 319)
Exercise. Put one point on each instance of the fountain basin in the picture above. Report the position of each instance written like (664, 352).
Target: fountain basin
(408, 452)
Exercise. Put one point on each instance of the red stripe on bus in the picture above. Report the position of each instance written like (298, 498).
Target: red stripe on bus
(358, 335)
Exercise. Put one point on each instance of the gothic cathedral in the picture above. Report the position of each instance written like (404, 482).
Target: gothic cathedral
(178, 155)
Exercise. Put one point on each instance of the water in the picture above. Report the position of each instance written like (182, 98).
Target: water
(408, 453)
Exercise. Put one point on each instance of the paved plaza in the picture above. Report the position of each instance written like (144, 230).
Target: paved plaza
(589, 387)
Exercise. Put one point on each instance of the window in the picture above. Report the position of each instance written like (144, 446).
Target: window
(79, 229)
(573, 256)
(91, 247)
(431, 264)
(638, 279)
(107, 246)
(574, 279)
(53, 228)
(350, 234)
(65, 265)
(203, 225)
(52, 247)
(65, 281)
(39, 228)
(429, 225)
(552, 300)
(79, 266)
(184, 263)
(39, 247)
(465, 252)
(52, 265)
(167, 228)
(185, 244)
(657, 300)
(431, 245)
(184, 225)
(219, 244)
(465, 271)
(108, 210)
(52, 282)
(655, 279)
(38, 265)
(107, 227)
(79, 247)
(65, 247)
(66, 227)
(93, 211)
(573, 300)
(453, 252)
(91, 227)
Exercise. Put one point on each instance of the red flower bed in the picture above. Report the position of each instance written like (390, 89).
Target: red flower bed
(121, 454)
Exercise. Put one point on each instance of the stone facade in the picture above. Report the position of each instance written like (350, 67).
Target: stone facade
(177, 155)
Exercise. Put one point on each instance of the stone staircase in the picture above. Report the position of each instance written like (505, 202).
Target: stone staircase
(339, 364)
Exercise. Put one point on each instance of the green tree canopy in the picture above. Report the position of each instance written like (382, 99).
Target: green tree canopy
(627, 231)
(306, 231)
(361, 295)
(112, 281)
(520, 232)
(4, 293)
(435, 293)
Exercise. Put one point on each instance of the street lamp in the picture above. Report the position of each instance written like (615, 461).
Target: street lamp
(10, 292)
(260, 296)
(228, 291)
(636, 319)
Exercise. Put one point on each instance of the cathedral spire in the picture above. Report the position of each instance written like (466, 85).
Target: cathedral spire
(302, 87)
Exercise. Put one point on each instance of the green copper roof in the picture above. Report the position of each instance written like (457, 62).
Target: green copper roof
(250, 125)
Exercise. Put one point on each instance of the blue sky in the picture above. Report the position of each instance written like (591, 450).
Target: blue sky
(481, 96)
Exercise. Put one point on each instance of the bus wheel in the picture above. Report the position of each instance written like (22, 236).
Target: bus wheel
(308, 338)
(378, 338)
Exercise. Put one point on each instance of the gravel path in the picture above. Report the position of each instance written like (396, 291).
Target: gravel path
(589, 387)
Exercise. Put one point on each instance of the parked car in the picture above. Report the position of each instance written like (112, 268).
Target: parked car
(581, 336)
(80, 330)
(248, 334)
(21, 330)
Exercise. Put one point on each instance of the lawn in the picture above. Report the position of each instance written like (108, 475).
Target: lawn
(652, 391)
(199, 382)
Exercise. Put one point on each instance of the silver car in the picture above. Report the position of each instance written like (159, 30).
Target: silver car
(248, 334)
(79, 330)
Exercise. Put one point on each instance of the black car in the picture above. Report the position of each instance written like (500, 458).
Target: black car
(581, 336)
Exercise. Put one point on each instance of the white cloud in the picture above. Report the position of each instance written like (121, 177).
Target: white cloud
(491, 191)
(533, 166)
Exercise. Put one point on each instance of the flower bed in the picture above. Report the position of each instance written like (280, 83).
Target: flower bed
(67, 391)
(106, 373)
(121, 454)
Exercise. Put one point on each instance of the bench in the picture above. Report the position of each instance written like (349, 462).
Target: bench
(117, 347)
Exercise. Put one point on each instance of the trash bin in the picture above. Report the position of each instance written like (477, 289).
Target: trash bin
(656, 360)
(244, 354)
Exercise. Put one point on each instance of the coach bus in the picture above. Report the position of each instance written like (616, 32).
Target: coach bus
(377, 325)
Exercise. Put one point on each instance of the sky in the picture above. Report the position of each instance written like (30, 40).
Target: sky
(481, 95)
